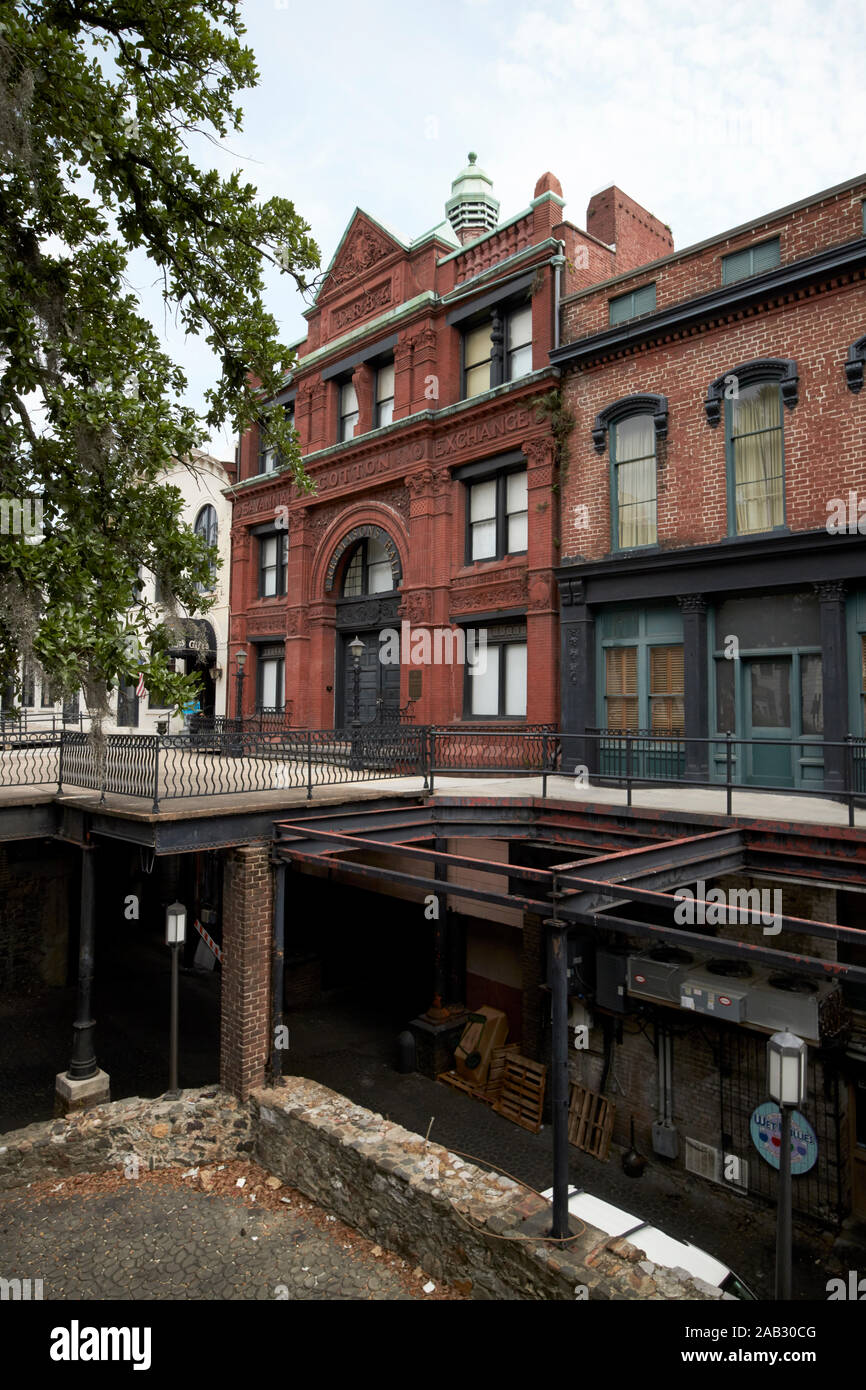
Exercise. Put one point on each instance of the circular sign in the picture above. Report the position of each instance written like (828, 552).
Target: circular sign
(765, 1127)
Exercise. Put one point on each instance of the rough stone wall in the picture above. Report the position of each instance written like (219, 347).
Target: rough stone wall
(463, 1224)
(202, 1126)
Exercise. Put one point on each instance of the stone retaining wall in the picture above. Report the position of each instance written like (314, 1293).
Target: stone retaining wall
(481, 1232)
(201, 1126)
(478, 1231)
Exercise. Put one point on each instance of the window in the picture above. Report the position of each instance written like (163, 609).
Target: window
(496, 679)
(497, 514)
(750, 261)
(667, 711)
(633, 482)
(206, 527)
(348, 413)
(755, 459)
(629, 306)
(270, 677)
(273, 564)
(269, 457)
(497, 350)
(368, 571)
(47, 697)
(384, 394)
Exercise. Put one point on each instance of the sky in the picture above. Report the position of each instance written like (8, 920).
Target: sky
(708, 118)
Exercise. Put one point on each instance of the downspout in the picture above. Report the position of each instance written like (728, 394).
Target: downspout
(558, 261)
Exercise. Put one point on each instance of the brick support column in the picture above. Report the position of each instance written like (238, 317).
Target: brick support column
(245, 1024)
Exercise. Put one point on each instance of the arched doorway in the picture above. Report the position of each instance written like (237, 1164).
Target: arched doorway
(365, 571)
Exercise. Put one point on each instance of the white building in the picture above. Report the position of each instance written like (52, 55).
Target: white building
(202, 639)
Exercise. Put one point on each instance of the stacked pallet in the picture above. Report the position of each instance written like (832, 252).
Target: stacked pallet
(590, 1121)
(522, 1096)
(488, 1093)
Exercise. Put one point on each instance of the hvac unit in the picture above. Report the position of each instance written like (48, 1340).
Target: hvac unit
(715, 1165)
(658, 974)
(720, 989)
(794, 1003)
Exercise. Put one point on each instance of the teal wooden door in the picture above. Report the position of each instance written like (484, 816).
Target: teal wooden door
(767, 716)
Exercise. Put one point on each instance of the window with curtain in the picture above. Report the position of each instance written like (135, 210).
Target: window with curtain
(667, 710)
(620, 688)
(385, 394)
(273, 564)
(497, 350)
(477, 359)
(496, 686)
(498, 517)
(633, 460)
(755, 458)
(518, 341)
(348, 411)
(271, 692)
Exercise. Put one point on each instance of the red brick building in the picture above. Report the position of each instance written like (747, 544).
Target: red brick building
(719, 422)
(415, 398)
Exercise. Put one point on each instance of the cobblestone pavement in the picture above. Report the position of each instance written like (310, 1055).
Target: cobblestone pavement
(164, 1237)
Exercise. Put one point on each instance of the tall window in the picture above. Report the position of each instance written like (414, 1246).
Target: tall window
(368, 571)
(498, 517)
(497, 350)
(620, 688)
(348, 413)
(206, 527)
(667, 710)
(633, 482)
(270, 675)
(755, 459)
(384, 394)
(496, 681)
(269, 458)
(273, 564)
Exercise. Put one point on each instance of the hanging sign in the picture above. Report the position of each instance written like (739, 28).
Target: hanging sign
(765, 1127)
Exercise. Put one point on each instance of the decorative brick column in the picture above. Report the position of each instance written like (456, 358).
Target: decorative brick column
(245, 1029)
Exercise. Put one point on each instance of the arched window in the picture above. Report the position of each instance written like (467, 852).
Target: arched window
(753, 395)
(368, 571)
(206, 527)
(633, 426)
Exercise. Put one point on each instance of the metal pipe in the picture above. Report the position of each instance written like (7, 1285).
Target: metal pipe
(558, 979)
(783, 1228)
(83, 1062)
(278, 966)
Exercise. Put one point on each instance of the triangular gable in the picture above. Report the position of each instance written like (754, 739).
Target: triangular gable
(364, 242)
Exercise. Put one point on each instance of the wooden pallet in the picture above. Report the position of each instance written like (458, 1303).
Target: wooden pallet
(590, 1121)
(496, 1074)
(522, 1095)
(450, 1078)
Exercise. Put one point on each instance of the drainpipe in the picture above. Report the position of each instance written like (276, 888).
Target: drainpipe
(558, 262)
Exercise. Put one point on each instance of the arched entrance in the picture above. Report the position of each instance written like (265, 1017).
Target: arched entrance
(365, 572)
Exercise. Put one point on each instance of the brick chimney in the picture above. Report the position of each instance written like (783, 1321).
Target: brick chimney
(619, 221)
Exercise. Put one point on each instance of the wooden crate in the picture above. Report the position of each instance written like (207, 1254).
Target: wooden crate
(590, 1121)
(495, 1076)
(522, 1095)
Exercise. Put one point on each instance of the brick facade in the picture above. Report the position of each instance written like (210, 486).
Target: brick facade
(245, 1030)
(411, 301)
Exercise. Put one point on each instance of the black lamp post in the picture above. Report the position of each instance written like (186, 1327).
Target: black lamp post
(239, 696)
(356, 647)
(175, 935)
(786, 1082)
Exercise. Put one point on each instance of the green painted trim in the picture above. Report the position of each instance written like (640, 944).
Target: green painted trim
(485, 236)
(391, 316)
(855, 622)
(643, 640)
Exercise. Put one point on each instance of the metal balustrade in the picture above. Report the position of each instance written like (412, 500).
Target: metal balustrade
(222, 757)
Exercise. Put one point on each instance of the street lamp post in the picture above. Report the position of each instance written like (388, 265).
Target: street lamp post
(356, 647)
(786, 1082)
(175, 935)
(239, 697)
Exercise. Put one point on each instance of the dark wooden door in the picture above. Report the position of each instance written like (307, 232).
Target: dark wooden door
(378, 683)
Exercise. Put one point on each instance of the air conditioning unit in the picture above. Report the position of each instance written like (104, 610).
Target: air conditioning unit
(658, 974)
(790, 1002)
(727, 1169)
(720, 989)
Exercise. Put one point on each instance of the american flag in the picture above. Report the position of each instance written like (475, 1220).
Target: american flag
(139, 689)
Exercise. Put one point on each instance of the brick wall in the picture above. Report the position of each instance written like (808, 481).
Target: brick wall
(245, 1026)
